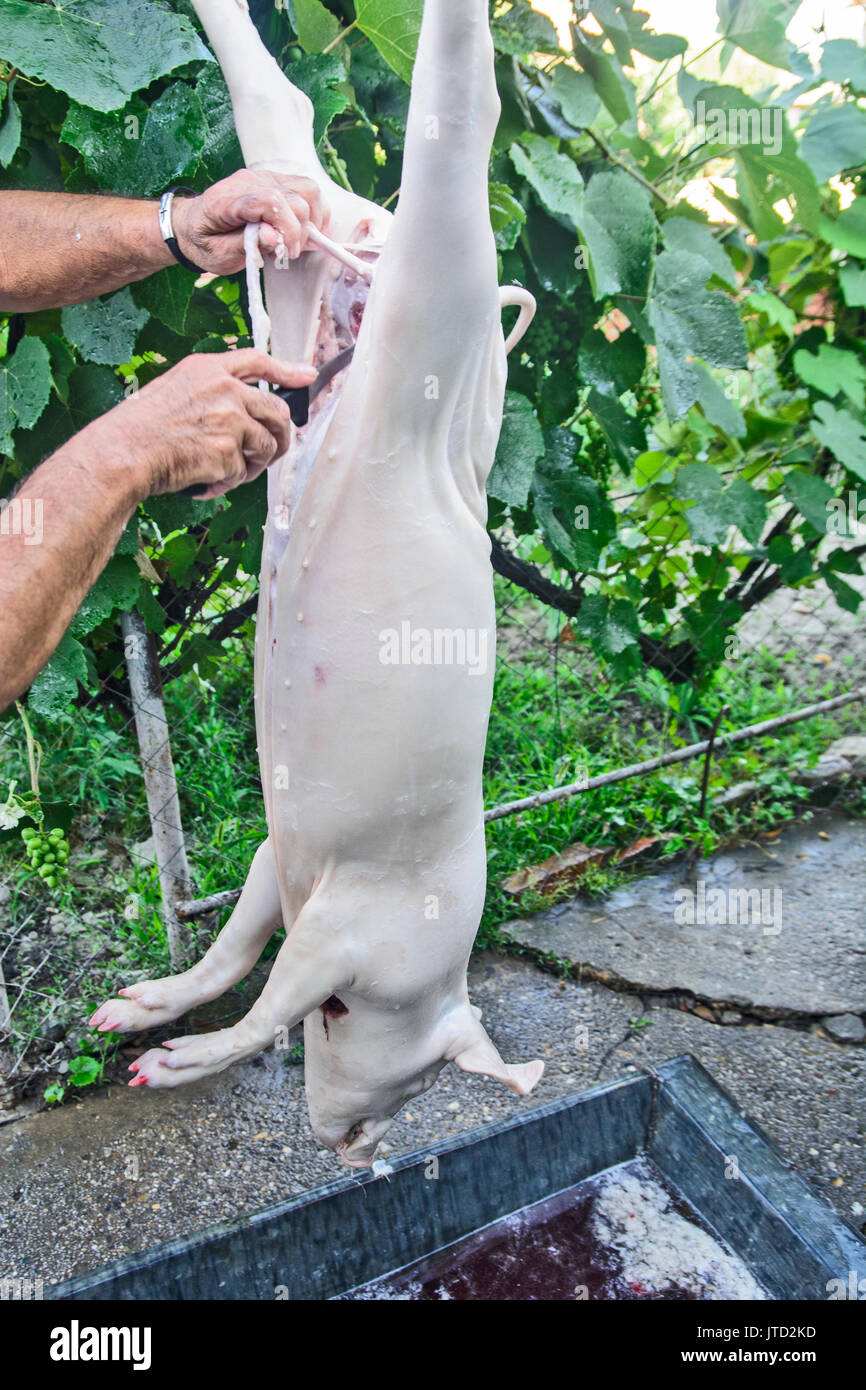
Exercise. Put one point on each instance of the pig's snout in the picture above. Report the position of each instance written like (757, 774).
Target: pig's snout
(358, 1148)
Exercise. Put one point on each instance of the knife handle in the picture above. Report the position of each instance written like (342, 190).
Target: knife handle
(297, 398)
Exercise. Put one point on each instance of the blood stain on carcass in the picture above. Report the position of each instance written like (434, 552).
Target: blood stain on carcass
(320, 676)
(332, 1008)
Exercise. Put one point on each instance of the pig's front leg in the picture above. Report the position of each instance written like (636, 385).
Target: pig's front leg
(310, 967)
(232, 956)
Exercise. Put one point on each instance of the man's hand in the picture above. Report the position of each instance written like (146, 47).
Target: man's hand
(210, 228)
(202, 423)
(65, 248)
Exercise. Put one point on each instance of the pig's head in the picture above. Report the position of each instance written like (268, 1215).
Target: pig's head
(363, 1064)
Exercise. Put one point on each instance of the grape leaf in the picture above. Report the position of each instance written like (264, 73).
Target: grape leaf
(117, 587)
(607, 77)
(747, 510)
(844, 60)
(394, 26)
(844, 435)
(613, 629)
(624, 27)
(554, 177)
(322, 76)
(10, 130)
(577, 97)
(853, 280)
(624, 433)
(612, 367)
(97, 51)
(616, 224)
(759, 27)
(768, 158)
(571, 509)
(718, 408)
(690, 321)
(833, 370)
(29, 381)
(104, 330)
(56, 686)
(7, 414)
(315, 26)
(166, 296)
(682, 234)
(810, 495)
(774, 310)
(92, 391)
(659, 47)
(846, 597)
(848, 230)
(507, 217)
(522, 30)
(62, 364)
(140, 150)
(521, 445)
(221, 155)
(707, 519)
(834, 140)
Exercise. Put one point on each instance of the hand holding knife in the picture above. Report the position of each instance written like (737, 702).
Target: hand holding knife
(299, 399)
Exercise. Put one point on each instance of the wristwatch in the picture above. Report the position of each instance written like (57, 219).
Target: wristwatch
(167, 229)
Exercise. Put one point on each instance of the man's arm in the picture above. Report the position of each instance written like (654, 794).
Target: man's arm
(201, 423)
(62, 248)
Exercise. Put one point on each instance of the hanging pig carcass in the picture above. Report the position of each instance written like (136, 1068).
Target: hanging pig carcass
(375, 635)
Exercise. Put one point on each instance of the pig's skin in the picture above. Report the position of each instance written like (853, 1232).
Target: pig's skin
(375, 860)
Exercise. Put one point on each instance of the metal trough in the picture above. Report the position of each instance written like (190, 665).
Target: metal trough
(358, 1229)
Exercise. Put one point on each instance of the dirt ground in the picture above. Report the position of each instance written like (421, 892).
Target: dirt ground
(124, 1170)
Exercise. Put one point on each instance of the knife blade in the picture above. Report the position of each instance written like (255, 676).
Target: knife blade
(300, 398)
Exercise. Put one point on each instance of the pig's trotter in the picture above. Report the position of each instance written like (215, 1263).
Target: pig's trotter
(473, 1051)
(307, 971)
(151, 1003)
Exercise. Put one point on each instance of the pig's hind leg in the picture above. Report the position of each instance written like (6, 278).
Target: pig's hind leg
(234, 953)
(435, 296)
(310, 967)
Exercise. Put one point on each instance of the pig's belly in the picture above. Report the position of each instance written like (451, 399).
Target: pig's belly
(381, 664)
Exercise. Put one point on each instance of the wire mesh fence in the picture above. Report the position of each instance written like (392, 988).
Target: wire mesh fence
(560, 719)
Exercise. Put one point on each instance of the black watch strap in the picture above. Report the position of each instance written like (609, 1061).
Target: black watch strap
(165, 226)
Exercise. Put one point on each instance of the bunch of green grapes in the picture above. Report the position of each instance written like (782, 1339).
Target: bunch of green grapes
(595, 455)
(551, 337)
(648, 404)
(48, 854)
(540, 338)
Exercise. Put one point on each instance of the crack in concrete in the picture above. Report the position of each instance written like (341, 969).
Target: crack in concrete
(677, 998)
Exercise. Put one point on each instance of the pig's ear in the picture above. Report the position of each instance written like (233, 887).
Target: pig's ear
(481, 1056)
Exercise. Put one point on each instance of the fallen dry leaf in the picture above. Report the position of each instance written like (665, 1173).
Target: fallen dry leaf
(567, 867)
(572, 864)
(637, 847)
